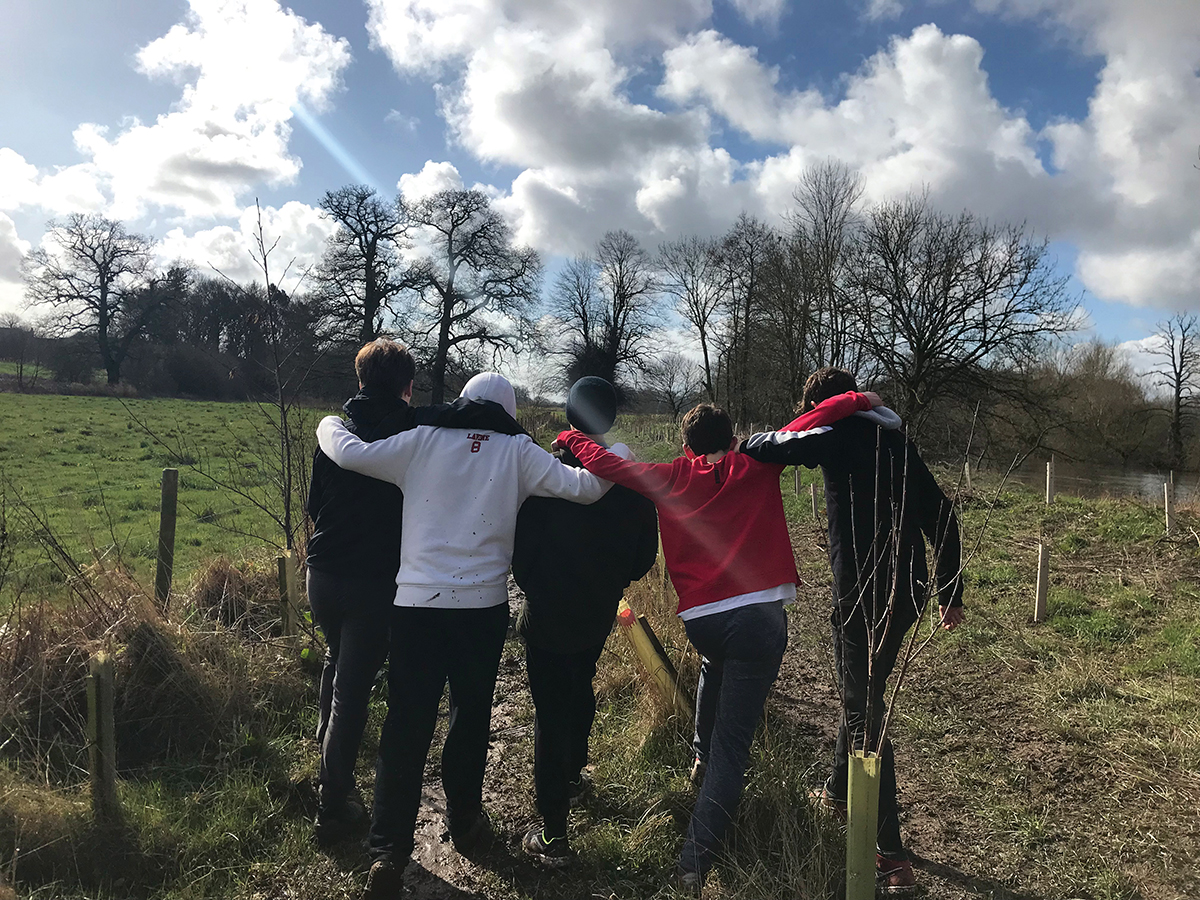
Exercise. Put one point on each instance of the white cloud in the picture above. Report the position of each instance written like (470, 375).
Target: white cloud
(302, 231)
(433, 177)
(242, 65)
(12, 251)
(878, 10)
(764, 11)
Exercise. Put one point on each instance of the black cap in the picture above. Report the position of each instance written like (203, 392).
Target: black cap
(592, 405)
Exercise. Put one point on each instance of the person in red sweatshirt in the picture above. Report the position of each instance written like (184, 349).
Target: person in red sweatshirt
(729, 555)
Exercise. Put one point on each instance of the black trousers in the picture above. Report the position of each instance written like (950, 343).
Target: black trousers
(863, 709)
(430, 647)
(564, 709)
(353, 615)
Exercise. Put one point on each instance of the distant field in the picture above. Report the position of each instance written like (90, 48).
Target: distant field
(91, 467)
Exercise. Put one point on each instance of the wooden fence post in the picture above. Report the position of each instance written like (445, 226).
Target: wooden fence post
(166, 539)
(1169, 507)
(967, 473)
(289, 593)
(1050, 481)
(1043, 583)
(816, 513)
(796, 479)
(102, 738)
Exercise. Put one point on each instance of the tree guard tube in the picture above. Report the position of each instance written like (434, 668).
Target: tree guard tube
(652, 656)
(862, 825)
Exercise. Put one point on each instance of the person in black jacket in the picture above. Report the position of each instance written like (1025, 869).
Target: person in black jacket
(353, 557)
(573, 562)
(882, 503)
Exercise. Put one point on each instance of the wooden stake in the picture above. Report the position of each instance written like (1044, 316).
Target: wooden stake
(796, 479)
(816, 513)
(102, 738)
(289, 593)
(166, 539)
(967, 473)
(1050, 481)
(1169, 507)
(652, 656)
(862, 824)
(1043, 583)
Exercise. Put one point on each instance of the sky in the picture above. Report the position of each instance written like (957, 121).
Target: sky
(1080, 118)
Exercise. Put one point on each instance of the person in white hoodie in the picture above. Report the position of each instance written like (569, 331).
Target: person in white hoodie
(462, 491)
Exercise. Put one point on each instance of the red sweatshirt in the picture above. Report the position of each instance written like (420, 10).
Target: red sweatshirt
(722, 525)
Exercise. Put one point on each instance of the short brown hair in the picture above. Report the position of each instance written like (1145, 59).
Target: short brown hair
(825, 383)
(706, 429)
(385, 365)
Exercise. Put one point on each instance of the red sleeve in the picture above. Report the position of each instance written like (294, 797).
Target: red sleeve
(829, 411)
(649, 479)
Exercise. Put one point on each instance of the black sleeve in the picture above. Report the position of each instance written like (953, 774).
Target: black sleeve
(934, 514)
(313, 503)
(646, 531)
(792, 448)
(527, 540)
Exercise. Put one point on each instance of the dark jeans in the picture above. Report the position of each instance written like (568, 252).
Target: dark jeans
(428, 648)
(863, 709)
(564, 708)
(741, 650)
(353, 615)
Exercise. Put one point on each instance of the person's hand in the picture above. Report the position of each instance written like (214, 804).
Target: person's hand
(875, 399)
(952, 616)
(557, 444)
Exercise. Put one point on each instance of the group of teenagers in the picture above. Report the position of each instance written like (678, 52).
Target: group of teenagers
(420, 512)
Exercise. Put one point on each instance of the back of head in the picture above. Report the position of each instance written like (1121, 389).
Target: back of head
(592, 405)
(824, 383)
(706, 429)
(492, 386)
(385, 366)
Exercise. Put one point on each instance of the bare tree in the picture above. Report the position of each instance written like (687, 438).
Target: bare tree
(825, 226)
(675, 380)
(1179, 373)
(360, 275)
(474, 286)
(743, 252)
(95, 277)
(690, 272)
(948, 301)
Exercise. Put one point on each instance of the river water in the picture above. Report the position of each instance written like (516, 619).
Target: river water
(1086, 480)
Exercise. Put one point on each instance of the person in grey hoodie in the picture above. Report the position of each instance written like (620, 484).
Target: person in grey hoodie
(462, 490)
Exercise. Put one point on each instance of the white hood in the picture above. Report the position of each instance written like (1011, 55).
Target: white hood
(492, 386)
(882, 416)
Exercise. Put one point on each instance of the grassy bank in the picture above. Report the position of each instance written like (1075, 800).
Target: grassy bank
(1055, 760)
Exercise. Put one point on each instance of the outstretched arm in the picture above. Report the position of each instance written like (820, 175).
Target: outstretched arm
(386, 460)
(544, 476)
(650, 479)
(829, 411)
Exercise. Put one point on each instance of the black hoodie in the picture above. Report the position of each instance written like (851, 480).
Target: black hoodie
(356, 519)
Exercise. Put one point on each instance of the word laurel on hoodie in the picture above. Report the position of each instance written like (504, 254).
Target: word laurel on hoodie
(462, 491)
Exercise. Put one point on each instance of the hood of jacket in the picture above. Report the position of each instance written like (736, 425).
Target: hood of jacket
(369, 411)
(881, 416)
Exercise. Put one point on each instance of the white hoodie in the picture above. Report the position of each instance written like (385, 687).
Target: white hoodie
(462, 490)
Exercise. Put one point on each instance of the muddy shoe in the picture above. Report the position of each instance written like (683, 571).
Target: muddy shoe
(345, 820)
(553, 852)
(385, 881)
(476, 839)
(699, 767)
(894, 876)
(687, 883)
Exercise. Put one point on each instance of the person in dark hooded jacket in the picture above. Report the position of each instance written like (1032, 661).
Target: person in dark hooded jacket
(573, 562)
(883, 504)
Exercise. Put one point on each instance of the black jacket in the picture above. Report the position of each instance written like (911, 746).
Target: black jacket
(574, 562)
(356, 519)
(882, 502)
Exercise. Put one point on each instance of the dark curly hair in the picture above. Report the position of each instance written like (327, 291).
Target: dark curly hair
(706, 429)
(825, 383)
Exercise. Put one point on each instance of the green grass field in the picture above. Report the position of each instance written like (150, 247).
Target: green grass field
(1050, 761)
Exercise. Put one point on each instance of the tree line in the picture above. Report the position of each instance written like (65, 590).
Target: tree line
(961, 322)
